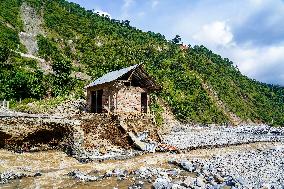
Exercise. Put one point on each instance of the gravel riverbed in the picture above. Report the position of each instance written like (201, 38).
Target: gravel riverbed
(190, 137)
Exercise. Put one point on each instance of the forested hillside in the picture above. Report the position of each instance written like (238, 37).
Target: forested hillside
(78, 46)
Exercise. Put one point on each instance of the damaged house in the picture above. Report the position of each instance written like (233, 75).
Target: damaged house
(122, 91)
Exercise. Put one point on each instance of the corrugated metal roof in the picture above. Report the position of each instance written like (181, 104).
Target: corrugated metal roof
(111, 76)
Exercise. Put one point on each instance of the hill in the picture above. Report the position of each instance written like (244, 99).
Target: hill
(54, 48)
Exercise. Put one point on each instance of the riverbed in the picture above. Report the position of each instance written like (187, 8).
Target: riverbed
(51, 169)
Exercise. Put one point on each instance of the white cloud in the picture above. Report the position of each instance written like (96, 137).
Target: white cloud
(102, 13)
(127, 3)
(141, 14)
(154, 3)
(217, 33)
(125, 8)
(262, 63)
(257, 2)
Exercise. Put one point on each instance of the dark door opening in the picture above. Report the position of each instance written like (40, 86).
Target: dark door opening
(144, 102)
(97, 101)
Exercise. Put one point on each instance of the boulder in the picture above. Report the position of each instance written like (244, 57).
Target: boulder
(188, 166)
(189, 182)
(162, 183)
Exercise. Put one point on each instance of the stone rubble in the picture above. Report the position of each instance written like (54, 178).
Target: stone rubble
(7, 176)
(70, 107)
(76, 174)
(186, 137)
(260, 168)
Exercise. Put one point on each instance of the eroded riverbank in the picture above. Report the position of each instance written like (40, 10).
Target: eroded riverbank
(53, 167)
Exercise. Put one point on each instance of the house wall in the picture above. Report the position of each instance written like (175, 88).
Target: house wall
(129, 99)
(108, 95)
(119, 98)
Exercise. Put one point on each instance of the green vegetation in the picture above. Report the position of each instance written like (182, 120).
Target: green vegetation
(38, 106)
(82, 41)
(156, 110)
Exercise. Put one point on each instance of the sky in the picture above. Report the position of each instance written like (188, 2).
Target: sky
(248, 32)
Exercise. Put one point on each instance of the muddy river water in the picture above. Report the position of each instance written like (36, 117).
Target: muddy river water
(55, 165)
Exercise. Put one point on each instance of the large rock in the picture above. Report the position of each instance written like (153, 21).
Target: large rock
(199, 182)
(162, 183)
(189, 182)
(188, 166)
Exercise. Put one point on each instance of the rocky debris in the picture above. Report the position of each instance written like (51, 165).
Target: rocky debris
(85, 156)
(117, 172)
(186, 137)
(258, 168)
(167, 148)
(76, 174)
(150, 173)
(141, 140)
(261, 167)
(70, 107)
(7, 176)
(186, 165)
(162, 183)
(32, 27)
(139, 185)
(149, 146)
(10, 175)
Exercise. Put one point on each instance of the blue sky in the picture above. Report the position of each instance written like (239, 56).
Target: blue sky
(249, 32)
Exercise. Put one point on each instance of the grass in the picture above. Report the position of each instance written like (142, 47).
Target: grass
(37, 106)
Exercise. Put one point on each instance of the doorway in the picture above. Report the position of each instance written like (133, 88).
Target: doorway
(144, 102)
(97, 101)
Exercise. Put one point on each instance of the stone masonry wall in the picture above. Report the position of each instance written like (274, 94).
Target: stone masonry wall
(129, 99)
(123, 99)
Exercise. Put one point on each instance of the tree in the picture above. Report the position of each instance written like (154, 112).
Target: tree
(177, 39)
(4, 53)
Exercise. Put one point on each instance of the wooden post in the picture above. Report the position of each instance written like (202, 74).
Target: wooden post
(116, 102)
(96, 102)
(108, 103)
(8, 105)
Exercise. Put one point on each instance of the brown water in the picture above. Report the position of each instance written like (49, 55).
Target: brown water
(55, 165)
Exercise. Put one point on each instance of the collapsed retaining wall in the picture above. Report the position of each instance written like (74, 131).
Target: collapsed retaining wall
(105, 129)
(77, 135)
(32, 134)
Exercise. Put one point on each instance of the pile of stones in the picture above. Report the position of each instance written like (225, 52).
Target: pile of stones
(70, 107)
(7, 176)
(191, 137)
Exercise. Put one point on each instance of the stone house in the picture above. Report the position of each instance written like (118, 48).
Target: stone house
(122, 91)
